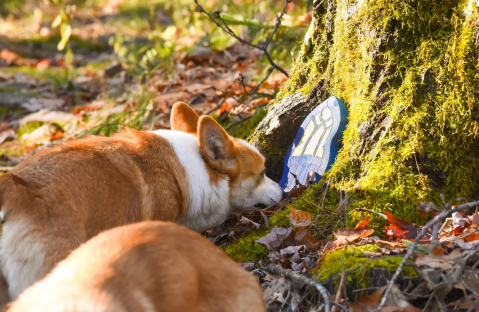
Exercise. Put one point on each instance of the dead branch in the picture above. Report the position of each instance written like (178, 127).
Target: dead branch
(264, 47)
(304, 280)
(382, 215)
(224, 26)
(425, 229)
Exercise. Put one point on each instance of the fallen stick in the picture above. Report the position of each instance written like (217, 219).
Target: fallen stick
(382, 215)
(444, 215)
(307, 281)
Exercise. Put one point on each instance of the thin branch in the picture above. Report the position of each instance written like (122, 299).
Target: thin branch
(304, 280)
(264, 47)
(224, 26)
(444, 215)
(382, 215)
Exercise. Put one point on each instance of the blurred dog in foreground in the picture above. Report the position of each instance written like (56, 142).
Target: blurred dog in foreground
(148, 266)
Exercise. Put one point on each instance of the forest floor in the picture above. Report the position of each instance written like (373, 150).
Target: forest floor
(126, 67)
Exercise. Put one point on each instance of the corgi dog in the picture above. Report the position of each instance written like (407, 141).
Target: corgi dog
(147, 266)
(195, 175)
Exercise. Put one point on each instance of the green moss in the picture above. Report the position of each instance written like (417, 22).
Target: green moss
(330, 265)
(28, 127)
(412, 67)
(33, 72)
(246, 250)
(246, 128)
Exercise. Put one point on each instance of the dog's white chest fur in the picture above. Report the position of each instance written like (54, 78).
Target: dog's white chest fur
(209, 204)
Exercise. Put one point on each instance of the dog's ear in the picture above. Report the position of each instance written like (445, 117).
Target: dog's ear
(184, 118)
(216, 147)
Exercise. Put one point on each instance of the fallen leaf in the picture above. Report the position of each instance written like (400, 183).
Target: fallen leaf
(43, 64)
(471, 281)
(437, 252)
(465, 303)
(428, 208)
(304, 237)
(47, 116)
(471, 237)
(57, 135)
(434, 262)
(460, 223)
(7, 135)
(10, 57)
(274, 238)
(395, 302)
(166, 100)
(400, 228)
(37, 104)
(475, 219)
(196, 88)
(291, 250)
(363, 224)
(344, 236)
(275, 290)
(299, 217)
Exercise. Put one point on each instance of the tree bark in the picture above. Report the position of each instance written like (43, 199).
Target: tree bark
(407, 71)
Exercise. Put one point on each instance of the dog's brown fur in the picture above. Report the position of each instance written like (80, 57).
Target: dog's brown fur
(62, 196)
(148, 266)
(62, 210)
(186, 119)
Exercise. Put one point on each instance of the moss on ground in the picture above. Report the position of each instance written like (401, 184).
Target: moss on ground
(245, 249)
(358, 265)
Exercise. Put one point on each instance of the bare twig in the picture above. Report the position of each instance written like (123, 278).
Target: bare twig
(264, 47)
(411, 249)
(304, 280)
(382, 215)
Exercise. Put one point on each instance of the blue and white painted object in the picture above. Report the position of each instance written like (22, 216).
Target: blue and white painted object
(316, 144)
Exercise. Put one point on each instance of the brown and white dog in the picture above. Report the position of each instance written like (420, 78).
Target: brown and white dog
(145, 267)
(60, 197)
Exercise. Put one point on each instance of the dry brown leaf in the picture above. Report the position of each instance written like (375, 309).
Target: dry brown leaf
(299, 217)
(460, 223)
(164, 101)
(7, 135)
(344, 236)
(274, 238)
(300, 236)
(437, 252)
(363, 224)
(475, 219)
(395, 302)
(434, 262)
(400, 228)
(43, 64)
(471, 281)
(465, 303)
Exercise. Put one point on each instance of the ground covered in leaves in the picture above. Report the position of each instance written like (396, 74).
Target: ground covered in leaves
(125, 64)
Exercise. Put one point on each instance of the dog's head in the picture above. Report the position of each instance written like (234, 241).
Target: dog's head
(227, 156)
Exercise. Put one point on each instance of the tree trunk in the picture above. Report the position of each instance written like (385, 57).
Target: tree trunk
(407, 71)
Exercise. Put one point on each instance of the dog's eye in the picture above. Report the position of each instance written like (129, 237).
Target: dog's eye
(263, 173)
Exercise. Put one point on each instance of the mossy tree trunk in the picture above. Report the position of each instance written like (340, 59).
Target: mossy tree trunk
(407, 71)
